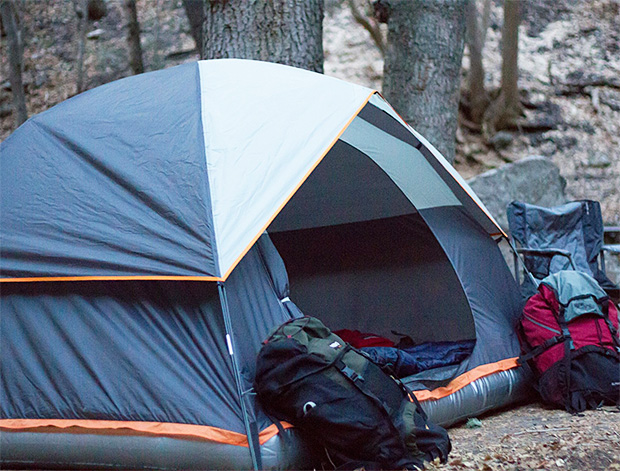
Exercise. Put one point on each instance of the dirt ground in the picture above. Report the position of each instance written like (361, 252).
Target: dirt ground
(533, 436)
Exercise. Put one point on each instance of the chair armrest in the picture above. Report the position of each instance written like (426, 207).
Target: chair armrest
(545, 252)
(612, 248)
(548, 253)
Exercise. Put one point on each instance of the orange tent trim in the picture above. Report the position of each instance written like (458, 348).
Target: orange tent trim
(466, 378)
(118, 427)
(112, 278)
(214, 434)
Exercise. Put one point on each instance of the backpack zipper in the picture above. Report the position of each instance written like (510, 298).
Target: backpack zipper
(542, 325)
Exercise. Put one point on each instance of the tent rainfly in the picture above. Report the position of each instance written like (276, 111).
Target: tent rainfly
(138, 279)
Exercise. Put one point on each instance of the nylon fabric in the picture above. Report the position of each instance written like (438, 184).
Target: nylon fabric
(491, 291)
(121, 351)
(110, 183)
(404, 164)
(345, 187)
(377, 276)
(256, 286)
(455, 181)
(263, 139)
(569, 285)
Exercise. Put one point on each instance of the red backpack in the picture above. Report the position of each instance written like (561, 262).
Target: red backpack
(569, 337)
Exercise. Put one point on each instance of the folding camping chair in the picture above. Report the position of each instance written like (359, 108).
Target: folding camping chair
(560, 238)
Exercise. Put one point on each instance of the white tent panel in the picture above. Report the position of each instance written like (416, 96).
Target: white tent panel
(266, 127)
(404, 164)
(380, 103)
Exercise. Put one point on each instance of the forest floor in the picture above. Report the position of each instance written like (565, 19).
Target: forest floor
(534, 437)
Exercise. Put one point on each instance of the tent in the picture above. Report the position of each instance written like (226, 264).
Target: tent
(138, 279)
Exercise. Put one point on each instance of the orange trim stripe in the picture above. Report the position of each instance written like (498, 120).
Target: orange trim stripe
(112, 278)
(117, 427)
(204, 432)
(461, 381)
(232, 267)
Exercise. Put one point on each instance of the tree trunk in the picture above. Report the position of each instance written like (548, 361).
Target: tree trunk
(81, 8)
(194, 9)
(284, 31)
(133, 37)
(10, 23)
(486, 19)
(510, 54)
(478, 98)
(506, 109)
(370, 24)
(422, 66)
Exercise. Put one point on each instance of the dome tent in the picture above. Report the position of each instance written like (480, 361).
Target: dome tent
(138, 281)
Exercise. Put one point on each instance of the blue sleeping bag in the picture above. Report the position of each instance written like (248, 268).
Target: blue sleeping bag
(402, 362)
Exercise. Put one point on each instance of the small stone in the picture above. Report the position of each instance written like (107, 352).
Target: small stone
(5, 110)
(473, 423)
(95, 34)
(599, 160)
(501, 140)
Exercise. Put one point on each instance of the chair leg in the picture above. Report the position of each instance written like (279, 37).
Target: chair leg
(516, 265)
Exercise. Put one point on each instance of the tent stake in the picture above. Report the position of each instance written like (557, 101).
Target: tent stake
(252, 440)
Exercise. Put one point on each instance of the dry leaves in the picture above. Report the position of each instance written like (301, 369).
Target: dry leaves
(535, 437)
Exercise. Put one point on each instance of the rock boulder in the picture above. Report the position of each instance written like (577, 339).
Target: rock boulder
(534, 179)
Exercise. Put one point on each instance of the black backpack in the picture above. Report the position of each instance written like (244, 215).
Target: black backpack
(309, 377)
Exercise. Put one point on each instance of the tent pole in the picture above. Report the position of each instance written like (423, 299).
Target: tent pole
(252, 440)
(517, 258)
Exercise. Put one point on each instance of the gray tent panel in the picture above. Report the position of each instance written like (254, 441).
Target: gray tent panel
(405, 165)
(345, 187)
(123, 351)
(379, 117)
(256, 292)
(110, 183)
(485, 277)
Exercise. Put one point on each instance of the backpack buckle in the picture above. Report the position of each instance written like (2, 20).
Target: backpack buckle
(352, 374)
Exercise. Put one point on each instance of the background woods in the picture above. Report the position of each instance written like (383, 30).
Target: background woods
(486, 81)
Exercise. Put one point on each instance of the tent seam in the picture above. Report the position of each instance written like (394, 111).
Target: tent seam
(204, 146)
(306, 176)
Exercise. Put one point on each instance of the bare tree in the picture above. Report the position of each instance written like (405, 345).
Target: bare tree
(81, 10)
(478, 100)
(10, 24)
(506, 109)
(133, 37)
(368, 22)
(194, 9)
(283, 31)
(422, 66)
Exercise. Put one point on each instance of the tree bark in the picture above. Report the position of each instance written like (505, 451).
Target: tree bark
(370, 24)
(506, 109)
(478, 98)
(81, 8)
(133, 37)
(510, 54)
(422, 66)
(10, 23)
(284, 31)
(194, 9)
